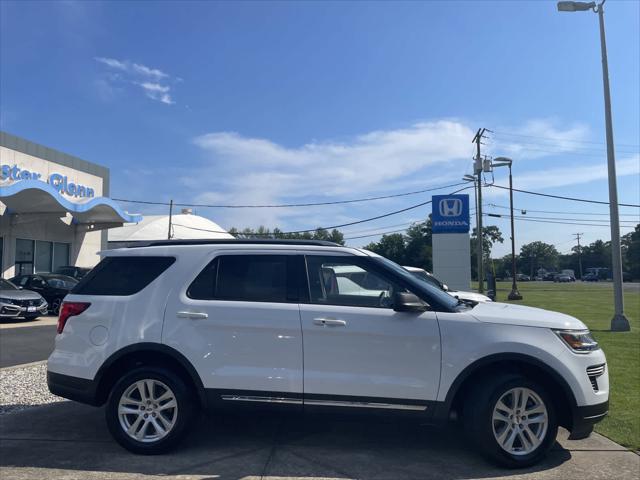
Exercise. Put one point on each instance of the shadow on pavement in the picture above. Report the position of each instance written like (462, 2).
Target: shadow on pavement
(73, 438)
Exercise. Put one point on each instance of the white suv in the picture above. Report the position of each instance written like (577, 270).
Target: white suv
(156, 332)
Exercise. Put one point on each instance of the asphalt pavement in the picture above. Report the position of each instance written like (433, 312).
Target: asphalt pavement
(26, 342)
(66, 440)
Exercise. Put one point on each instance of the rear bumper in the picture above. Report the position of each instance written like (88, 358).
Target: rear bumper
(584, 418)
(79, 389)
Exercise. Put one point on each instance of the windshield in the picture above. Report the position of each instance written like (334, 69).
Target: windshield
(422, 275)
(432, 292)
(7, 285)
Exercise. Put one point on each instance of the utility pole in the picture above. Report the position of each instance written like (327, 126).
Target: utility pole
(578, 235)
(170, 215)
(477, 170)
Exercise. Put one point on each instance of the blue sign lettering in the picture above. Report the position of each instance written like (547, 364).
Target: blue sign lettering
(57, 181)
(450, 213)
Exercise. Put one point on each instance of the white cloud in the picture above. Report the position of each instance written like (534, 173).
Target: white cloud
(135, 73)
(576, 174)
(158, 92)
(249, 170)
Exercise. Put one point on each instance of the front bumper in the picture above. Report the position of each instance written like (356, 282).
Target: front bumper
(78, 389)
(584, 418)
(10, 310)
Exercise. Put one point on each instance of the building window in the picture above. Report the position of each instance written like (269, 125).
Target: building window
(40, 256)
(24, 256)
(60, 255)
(43, 256)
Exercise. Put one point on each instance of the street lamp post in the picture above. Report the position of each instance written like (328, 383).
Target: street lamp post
(619, 323)
(507, 162)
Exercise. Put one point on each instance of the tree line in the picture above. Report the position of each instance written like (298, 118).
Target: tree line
(414, 248)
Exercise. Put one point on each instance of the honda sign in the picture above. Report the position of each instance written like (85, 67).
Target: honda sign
(450, 213)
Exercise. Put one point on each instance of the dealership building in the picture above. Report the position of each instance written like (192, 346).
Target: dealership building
(55, 209)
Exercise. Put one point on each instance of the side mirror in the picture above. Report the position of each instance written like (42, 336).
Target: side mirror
(408, 302)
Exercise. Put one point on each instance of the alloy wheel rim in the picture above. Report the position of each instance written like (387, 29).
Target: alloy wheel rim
(520, 421)
(147, 410)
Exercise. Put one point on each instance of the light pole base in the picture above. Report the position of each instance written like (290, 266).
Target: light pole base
(620, 323)
(514, 295)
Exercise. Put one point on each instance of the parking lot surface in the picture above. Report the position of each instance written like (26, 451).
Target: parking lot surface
(65, 440)
(23, 341)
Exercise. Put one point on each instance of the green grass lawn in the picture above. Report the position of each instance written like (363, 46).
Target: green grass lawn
(593, 304)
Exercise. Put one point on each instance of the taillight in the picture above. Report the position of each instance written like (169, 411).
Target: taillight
(68, 310)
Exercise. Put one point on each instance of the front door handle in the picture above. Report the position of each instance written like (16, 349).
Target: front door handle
(192, 315)
(329, 322)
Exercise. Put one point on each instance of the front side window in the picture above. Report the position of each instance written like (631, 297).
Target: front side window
(251, 278)
(349, 281)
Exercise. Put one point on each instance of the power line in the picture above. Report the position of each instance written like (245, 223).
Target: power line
(557, 139)
(285, 205)
(357, 222)
(562, 197)
(522, 219)
(376, 234)
(561, 213)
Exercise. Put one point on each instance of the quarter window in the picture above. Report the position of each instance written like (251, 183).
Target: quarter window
(122, 275)
(348, 281)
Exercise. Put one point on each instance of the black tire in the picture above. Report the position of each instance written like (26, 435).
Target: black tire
(478, 412)
(54, 307)
(186, 410)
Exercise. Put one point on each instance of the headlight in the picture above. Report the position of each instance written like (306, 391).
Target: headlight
(580, 341)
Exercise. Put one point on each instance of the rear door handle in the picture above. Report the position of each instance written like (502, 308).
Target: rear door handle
(192, 315)
(329, 322)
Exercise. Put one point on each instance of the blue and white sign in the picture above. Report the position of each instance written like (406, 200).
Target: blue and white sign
(450, 213)
(14, 173)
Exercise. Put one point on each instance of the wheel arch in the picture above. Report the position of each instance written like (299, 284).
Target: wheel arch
(147, 353)
(555, 385)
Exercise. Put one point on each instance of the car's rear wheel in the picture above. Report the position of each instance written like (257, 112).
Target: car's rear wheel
(512, 420)
(149, 410)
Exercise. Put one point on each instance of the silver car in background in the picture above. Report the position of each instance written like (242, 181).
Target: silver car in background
(16, 303)
(422, 274)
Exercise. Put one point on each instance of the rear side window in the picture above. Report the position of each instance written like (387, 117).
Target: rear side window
(251, 278)
(122, 275)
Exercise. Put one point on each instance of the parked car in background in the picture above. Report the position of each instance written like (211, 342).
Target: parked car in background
(590, 277)
(562, 278)
(422, 274)
(19, 303)
(549, 276)
(521, 277)
(51, 286)
(74, 272)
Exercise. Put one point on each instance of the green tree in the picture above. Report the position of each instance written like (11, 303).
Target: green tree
(391, 246)
(535, 255)
(418, 249)
(491, 235)
(631, 248)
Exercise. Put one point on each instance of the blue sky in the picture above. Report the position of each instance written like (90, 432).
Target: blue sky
(272, 102)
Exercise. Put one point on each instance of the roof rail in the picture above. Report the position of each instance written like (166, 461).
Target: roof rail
(237, 241)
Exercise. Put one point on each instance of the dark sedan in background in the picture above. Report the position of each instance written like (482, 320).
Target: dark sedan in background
(19, 303)
(51, 286)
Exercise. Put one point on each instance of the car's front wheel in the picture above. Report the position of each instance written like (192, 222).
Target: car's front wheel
(512, 420)
(54, 307)
(149, 410)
